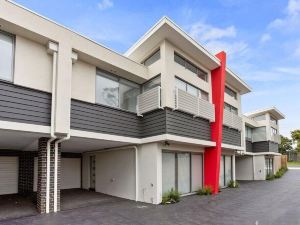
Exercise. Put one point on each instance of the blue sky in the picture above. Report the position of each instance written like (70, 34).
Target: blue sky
(262, 38)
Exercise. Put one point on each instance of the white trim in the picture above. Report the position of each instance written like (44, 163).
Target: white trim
(16, 126)
(261, 153)
(234, 147)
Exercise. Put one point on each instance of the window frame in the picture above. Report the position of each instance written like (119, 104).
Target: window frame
(118, 78)
(231, 108)
(231, 92)
(151, 55)
(13, 56)
(148, 81)
(187, 62)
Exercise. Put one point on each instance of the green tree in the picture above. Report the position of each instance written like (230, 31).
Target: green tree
(296, 139)
(286, 145)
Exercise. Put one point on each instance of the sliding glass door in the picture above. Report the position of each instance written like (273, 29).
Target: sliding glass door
(225, 175)
(181, 171)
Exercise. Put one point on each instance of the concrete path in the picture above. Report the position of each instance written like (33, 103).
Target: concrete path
(254, 203)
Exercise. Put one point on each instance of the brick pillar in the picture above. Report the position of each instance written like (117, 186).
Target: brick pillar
(42, 177)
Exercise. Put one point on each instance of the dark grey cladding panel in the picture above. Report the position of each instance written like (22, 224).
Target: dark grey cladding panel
(273, 147)
(231, 136)
(249, 146)
(19, 104)
(153, 123)
(183, 124)
(103, 119)
(265, 146)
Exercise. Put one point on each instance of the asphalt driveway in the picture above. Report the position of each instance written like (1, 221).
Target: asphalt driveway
(263, 202)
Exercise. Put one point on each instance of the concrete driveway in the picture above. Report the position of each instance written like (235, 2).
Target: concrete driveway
(261, 202)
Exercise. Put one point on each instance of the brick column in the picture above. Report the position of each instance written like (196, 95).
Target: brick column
(42, 176)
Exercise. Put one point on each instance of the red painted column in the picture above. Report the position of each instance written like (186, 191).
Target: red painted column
(212, 155)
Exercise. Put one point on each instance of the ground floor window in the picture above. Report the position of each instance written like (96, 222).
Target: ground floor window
(225, 170)
(269, 166)
(181, 171)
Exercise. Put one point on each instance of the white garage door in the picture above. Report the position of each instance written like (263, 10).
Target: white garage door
(8, 175)
(70, 173)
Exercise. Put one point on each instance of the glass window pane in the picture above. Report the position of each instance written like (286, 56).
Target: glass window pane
(180, 60)
(234, 110)
(228, 171)
(191, 67)
(168, 171)
(107, 89)
(227, 107)
(151, 84)
(181, 85)
(192, 90)
(152, 59)
(184, 178)
(202, 75)
(197, 172)
(221, 175)
(128, 95)
(204, 95)
(6, 57)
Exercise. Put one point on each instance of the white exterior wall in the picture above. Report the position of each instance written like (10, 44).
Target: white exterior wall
(70, 173)
(84, 82)
(150, 173)
(33, 65)
(115, 173)
(85, 171)
(259, 167)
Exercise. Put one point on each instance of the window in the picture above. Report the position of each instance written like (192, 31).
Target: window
(273, 119)
(273, 131)
(260, 118)
(269, 166)
(6, 56)
(190, 66)
(248, 133)
(230, 108)
(225, 175)
(230, 92)
(154, 82)
(182, 85)
(153, 58)
(116, 92)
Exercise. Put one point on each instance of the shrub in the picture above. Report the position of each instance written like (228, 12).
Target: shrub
(280, 172)
(233, 184)
(170, 197)
(207, 190)
(270, 177)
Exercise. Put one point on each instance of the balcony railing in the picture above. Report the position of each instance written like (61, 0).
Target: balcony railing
(149, 101)
(276, 138)
(191, 104)
(232, 120)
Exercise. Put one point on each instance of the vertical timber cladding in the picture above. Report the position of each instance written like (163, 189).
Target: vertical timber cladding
(42, 177)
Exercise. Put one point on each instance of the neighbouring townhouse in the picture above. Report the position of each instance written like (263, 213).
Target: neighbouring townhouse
(75, 114)
(260, 157)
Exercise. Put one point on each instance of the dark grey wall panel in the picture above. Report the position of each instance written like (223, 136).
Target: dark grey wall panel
(231, 136)
(153, 123)
(249, 146)
(102, 119)
(261, 146)
(273, 147)
(19, 104)
(183, 124)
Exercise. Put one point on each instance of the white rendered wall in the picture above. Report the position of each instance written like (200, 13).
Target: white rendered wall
(115, 173)
(150, 173)
(70, 173)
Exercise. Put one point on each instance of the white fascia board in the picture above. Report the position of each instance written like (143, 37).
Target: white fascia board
(273, 110)
(16, 126)
(234, 147)
(261, 153)
(242, 86)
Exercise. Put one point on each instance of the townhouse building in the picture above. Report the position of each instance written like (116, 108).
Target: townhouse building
(260, 157)
(75, 114)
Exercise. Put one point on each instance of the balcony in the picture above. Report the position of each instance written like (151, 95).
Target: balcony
(276, 138)
(232, 120)
(194, 105)
(149, 101)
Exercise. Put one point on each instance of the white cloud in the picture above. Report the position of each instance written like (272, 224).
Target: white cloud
(291, 20)
(218, 39)
(105, 4)
(297, 51)
(265, 37)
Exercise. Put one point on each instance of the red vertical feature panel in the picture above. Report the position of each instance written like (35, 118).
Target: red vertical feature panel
(212, 155)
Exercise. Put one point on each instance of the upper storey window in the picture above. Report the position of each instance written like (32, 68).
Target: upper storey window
(273, 120)
(116, 92)
(230, 108)
(230, 92)
(190, 66)
(182, 85)
(152, 58)
(6, 56)
(260, 118)
(154, 82)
